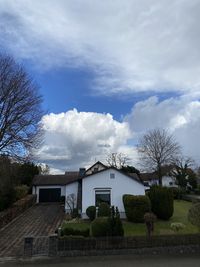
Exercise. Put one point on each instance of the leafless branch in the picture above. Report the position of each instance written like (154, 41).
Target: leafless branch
(157, 148)
(20, 110)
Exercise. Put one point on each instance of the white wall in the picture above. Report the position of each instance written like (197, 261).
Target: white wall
(36, 189)
(119, 186)
(167, 180)
(71, 189)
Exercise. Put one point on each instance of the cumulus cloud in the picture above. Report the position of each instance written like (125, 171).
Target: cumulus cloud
(77, 139)
(132, 46)
(181, 116)
(74, 139)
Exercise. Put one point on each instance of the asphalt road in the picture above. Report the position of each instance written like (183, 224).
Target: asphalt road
(113, 261)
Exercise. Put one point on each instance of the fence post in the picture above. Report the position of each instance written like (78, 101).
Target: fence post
(53, 239)
(28, 246)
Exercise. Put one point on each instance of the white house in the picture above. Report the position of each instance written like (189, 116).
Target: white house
(150, 179)
(97, 184)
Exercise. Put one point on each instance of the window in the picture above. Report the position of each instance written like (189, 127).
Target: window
(102, 196)
(112, 176)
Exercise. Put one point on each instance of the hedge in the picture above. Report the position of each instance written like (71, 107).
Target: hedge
(135, 207)
(162, 202)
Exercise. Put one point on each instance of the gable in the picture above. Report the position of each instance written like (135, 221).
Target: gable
(107, 175)
(98, 166)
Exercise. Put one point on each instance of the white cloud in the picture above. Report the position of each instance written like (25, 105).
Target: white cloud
(78, 139)
(181, 116)
(132, 46)
(75, 139)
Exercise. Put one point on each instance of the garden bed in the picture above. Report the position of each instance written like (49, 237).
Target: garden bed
(181, 208)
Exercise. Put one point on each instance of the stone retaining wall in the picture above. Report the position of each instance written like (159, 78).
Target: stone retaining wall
(111, 245)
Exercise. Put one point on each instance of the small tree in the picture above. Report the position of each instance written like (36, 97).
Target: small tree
(149, 219)
(157, 148)
(71, 202)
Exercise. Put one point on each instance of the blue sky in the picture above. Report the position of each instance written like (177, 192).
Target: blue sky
(108, 71)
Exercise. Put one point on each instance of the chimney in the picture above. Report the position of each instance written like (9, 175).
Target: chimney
(81, 172)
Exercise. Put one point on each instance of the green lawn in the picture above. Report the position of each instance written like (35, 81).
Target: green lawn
(161, 227)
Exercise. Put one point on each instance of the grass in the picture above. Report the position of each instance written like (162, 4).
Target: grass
(161, 227)
(181, 208)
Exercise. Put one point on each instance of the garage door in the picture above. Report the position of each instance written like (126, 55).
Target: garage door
(49, 195)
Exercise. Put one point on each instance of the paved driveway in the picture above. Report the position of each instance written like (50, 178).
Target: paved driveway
(39, 220)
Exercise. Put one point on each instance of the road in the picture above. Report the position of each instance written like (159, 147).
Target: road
(113, 261)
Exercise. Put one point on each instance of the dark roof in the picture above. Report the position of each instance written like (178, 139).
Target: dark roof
(148, 176)
(70, 177)
(62, 179)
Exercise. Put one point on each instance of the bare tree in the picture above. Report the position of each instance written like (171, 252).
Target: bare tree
(20, 109)
(71, 202)
(117, 160)
(182, 170)
(44, 169)
(157, 148)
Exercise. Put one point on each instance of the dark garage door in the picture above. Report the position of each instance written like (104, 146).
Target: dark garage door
(49, 195)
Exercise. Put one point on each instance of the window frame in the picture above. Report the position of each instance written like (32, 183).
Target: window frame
(102, 191)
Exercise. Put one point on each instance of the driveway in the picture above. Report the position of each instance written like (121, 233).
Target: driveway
(39, 220)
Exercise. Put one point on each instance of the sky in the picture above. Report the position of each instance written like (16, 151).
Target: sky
(109, 71)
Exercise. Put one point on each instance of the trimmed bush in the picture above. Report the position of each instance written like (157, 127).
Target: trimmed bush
(91, 212)
(135, 207)
(67, 230)
(162, 202)
(104, 210)
(101, 226)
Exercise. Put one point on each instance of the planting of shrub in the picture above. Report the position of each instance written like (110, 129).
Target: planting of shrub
(21, 191)
(67, 230)
(104, 210)
(162, 202)
(101, 226)
(149, 219)
(91, 212)
(116, 223)
(177, 192)
(135, 207)
(177, 226)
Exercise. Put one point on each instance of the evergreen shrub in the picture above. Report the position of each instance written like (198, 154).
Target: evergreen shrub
(104, 210)
(162, 202)
(135, 207)
(91, 212)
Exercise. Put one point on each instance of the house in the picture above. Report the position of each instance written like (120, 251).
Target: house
(150, 179)
(91, 186)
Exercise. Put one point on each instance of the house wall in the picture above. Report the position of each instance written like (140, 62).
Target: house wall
(119, 186)
(168, 181)
(71, 189)
(36, 189)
